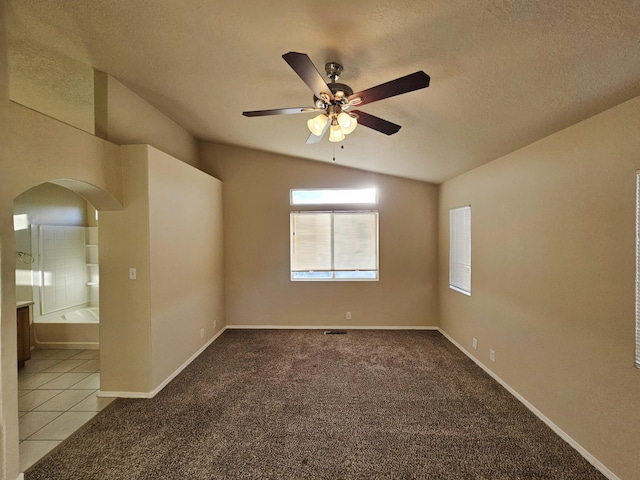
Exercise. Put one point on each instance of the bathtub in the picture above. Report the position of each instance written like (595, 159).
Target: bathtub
(78, 328)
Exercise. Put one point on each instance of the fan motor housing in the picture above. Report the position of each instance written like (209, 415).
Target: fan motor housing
(340, 90)
(333, 69)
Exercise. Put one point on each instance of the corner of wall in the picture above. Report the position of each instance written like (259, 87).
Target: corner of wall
(125, 331)
(100, 103)
(125, 118)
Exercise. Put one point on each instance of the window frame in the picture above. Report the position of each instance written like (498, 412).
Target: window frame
(460, 246)
(343, 203)
(637, 300)
(334, 201)
(334, 274)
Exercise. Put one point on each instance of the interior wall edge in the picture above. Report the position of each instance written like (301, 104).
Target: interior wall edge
(125, 118)
(166, 381)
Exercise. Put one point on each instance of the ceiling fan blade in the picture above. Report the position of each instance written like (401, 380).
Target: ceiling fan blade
(309, 74)
(406, 84)
(281, 111)
(376, 123)
(313, 139)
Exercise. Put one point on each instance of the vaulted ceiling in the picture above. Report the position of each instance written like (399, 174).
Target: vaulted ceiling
(504, 73)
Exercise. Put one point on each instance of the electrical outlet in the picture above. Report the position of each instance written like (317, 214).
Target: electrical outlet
(202, 333)
(475, 343)
(214, 323)
(348, 315)
(492, 355)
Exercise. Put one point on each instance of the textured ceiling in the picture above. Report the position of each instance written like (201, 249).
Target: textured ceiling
(504, 73)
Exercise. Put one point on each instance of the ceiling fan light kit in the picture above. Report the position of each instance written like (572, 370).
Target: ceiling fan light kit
(347, 122)
(335, 132)
(316, 124)
(341, 124)
(335, 100)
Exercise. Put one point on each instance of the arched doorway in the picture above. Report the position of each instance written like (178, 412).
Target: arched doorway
(57, 279)
(13, 290)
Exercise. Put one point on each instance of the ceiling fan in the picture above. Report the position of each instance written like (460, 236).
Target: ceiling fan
(334, 101)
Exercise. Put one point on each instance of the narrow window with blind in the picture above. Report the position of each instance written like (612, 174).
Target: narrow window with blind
(637, 330)
(460, 249)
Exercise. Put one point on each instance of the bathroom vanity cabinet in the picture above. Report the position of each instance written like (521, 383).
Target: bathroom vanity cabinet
(24, 332)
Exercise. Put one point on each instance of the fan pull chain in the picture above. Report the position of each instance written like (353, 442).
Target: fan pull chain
(334, 151)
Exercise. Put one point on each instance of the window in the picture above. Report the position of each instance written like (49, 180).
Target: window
(637, 360)
(332, 196)
(335, 245)
(460, 249)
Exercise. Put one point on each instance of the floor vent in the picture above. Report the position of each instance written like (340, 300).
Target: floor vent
(335, 332)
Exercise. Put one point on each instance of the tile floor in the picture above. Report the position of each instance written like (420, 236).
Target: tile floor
(56, 396)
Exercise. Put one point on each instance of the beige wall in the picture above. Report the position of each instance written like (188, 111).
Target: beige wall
(553, 271)
(40, 149)
(256, 224)
(8, 352)
(186, 261)
(170, 231)
(125, 316)
(124, 118)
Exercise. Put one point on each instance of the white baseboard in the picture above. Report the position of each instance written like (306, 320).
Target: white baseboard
(155, 391)
(564, 435)
(20, 477)
(116, 394)
(68, 345)
(329, 327)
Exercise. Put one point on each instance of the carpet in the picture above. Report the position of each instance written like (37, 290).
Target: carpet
(298, 404)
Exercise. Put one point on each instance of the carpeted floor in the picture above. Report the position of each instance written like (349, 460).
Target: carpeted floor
(298, 404)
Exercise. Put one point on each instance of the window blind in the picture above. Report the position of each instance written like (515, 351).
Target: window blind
(355, 241)
(311, 242)
(334, 245)
(637, 359)
(460, 249)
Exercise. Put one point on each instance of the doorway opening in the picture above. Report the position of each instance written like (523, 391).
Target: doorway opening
(57, 294)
